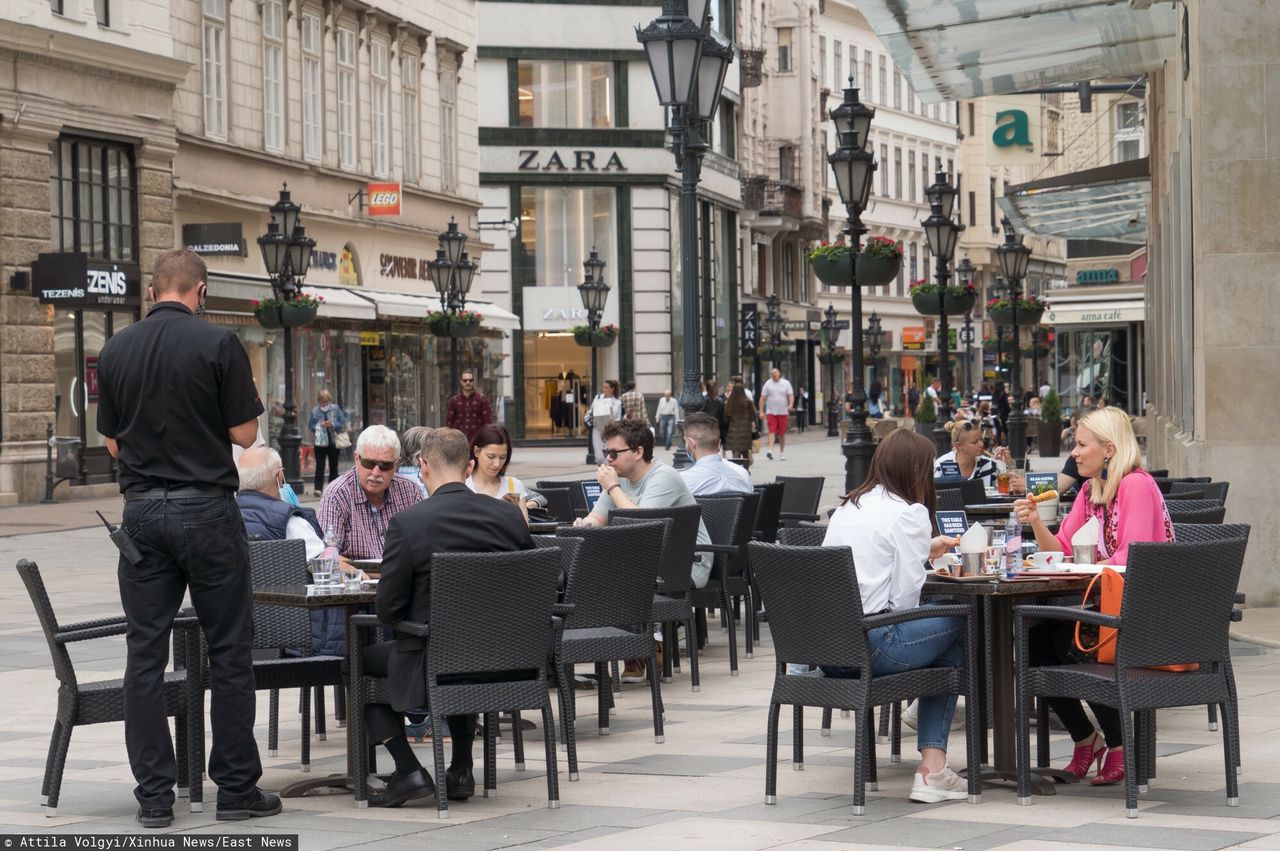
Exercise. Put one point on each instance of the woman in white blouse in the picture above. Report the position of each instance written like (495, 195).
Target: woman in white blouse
(887, 523)
(969, 454)
(490, 455)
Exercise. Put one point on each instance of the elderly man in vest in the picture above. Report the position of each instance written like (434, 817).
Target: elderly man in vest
(269, 517)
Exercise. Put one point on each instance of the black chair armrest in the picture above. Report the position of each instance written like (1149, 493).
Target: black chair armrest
(562, 610)
(797, 516)
(660, 586)
(69, 635)
(1236, 616)
(1065, 613)
(416, 630)
(94, 624)
(1240, 598)
(727, 549)
(918, 613)
(365, 621)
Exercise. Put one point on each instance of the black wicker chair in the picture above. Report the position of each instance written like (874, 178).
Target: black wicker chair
(729, 526)
(800, 498)
(611, 590)
(102, 701)
(671, 606)
(1155, 597)
(1195, 511)
(803, 535)
(1159, 474)
(737, 582)
(1190, 491)
(816, 618)
(972, 491)
(490, 614)
(283, 633)
(769, 516)
(1214, 491)
(951, 499)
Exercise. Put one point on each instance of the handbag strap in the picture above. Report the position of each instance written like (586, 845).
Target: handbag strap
(1083, 604)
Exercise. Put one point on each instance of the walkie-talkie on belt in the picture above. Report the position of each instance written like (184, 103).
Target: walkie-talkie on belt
(121, 539)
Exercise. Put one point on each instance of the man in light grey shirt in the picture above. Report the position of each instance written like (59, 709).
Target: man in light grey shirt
(710, 474)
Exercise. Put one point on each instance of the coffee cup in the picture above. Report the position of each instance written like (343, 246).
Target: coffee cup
(1047, 560)
(1083, 553)
(972, 564)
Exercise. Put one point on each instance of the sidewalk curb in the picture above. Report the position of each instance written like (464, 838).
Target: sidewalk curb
(1257, 641)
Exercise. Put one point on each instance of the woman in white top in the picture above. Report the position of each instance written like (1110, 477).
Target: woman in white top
(968, 452)
(887, 523)
(490, 455)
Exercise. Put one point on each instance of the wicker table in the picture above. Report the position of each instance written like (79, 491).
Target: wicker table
(352, 603)
(998, 597)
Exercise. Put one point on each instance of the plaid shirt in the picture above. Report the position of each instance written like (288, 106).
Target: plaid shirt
(468, 414)
(361, 527)
(633, 406)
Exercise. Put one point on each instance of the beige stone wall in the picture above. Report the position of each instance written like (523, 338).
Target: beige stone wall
(1215, 246)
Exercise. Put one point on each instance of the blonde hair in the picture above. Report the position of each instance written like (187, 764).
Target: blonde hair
(956, 428)
(1112, 426)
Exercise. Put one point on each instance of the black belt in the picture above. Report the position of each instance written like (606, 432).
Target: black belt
(188, 492)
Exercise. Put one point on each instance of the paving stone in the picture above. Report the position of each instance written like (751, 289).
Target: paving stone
(932, 833)
(1178, 839)
(679, 765)
(578, 817)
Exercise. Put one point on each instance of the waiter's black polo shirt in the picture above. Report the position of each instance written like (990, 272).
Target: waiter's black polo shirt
(169, 388)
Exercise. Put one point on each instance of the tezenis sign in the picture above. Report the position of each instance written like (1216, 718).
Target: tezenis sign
(70, 279)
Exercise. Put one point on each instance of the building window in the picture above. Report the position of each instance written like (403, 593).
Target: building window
(787, 164)
(970, 118)
(346, 98)
(822, 60)
(853, 67)
(215, 68)
(973, 208)
(915, 263)
(884, 80)
(56, 6)
(102, 8)
(784, 48)
(995, 228)
(897, 173)
(92, 198)
(897, 88)
(911, 175)
(409, 115)
(727, 132)
(883, 168)
(837, 61)
(866, 73)
(312, 89)
(558, 228)
(789, 271)
(1130, 125)
(448, 127)
(558, 93)
(273, 75)
(380, 109)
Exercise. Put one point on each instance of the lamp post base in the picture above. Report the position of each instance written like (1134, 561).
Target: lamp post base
(858, 449)
(1017, 426)
(833, 419)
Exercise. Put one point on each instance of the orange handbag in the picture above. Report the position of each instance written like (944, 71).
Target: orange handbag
(1111, 594)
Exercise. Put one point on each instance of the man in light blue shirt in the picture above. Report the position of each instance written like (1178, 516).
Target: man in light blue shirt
(710, 474)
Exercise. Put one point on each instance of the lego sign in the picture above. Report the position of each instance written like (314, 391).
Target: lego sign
(384, 199)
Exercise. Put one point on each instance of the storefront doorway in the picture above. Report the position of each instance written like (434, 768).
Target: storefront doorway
(78, 337)
(557, 383)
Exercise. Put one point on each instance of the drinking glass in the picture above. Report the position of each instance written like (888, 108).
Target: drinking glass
(351, 582)
(1002, 482)
(995, 552)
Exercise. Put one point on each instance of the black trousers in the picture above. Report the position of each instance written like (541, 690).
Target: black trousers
(326, 454)
(1050, 643)
(197, 544)
(384, 722)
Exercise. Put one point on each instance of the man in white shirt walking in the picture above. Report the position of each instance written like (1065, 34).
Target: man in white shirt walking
(666, 414)
(777, 400)
(710, 474)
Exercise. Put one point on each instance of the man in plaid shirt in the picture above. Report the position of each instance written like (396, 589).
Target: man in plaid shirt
(360, 503)
(468, 411)
(633, 407)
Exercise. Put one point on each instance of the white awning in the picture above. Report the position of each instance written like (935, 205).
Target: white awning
(415, 306)
(957, 49)
(342, 303)
(1099, 312)
(238, 287)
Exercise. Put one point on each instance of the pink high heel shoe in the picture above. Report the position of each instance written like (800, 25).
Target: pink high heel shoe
(1086, 754)
(1112, 771)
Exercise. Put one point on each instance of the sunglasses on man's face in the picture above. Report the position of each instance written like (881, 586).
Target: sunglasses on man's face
(612, 454)
(369, 464)
(468, 381)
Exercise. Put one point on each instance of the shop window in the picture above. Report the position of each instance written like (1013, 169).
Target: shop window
(558, 229)
(92, 198)
(559, 93)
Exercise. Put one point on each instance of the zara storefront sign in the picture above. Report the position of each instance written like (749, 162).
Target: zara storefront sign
(70, 279)
(534, 159)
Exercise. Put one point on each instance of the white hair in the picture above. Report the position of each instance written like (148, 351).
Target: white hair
(377, 437)
(261, 475)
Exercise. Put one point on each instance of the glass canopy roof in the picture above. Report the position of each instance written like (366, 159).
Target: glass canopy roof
(1101, 203)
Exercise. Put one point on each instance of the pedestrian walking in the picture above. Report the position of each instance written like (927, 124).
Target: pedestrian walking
(328, 426)
(174, 393)
(633, 406)
(469, 410)
(666, 415)
(714, 405)
(777, 400)
(741, 415)
(802, 409)
(605, 408)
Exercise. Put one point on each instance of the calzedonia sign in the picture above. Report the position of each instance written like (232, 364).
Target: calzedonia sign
(71, 279)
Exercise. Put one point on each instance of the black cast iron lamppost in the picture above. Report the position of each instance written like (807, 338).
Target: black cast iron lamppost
(594, 292)
(286, 254)
(941, 231)
(854, 168)
(873, 342)
(773, 326)
(831, 328)
(964, 274)
(452, 273)
(688, 66)
(1014, 260)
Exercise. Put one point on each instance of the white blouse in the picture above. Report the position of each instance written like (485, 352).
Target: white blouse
(890, 540)
(509, 484)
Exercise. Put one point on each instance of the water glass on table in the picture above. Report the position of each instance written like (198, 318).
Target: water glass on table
(995, 552)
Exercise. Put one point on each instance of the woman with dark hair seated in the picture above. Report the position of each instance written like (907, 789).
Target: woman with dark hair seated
(887, 522)
(490, 455)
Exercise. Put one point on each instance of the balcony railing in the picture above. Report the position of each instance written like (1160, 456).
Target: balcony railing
(772, 197)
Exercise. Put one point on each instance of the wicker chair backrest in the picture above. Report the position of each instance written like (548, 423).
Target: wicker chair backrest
(62, 667)
(675, 564)
(279, 563)
(612, 583)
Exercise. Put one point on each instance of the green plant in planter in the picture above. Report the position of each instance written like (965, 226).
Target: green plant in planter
(877, 263)
(925, 411)
(293, 312)
(928, 298)
(1030, 309)
(604, 336)
(464, 323)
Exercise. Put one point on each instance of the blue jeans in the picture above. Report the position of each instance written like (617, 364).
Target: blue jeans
(666, 425)
(908, 646)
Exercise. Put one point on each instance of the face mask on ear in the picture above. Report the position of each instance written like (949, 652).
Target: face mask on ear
(288, 495)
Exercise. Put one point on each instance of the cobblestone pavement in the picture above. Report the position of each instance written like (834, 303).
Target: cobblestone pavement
(703, 788)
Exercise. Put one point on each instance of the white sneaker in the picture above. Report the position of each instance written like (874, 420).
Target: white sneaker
(944, 785)
(910, 714)
(781, 457)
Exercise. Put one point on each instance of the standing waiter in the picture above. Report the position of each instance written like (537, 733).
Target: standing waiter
(174, 393)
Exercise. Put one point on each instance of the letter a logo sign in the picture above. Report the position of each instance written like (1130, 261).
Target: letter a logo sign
(384, 199)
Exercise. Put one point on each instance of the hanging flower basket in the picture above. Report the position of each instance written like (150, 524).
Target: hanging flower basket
(282, 313)
(600, 338)
(774, 354)
(930, 299)
(831, 358)
(466, 323)
(1030, 310)
(877, 265)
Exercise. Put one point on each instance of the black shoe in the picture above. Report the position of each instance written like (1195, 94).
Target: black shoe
(155, 816)
(404, 787)
(460, 783)
(257, 805)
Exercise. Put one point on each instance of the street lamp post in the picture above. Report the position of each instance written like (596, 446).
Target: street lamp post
(286, 253)
(1014, 260)
(452, 273)
(873, 343)
(773, 325)
(594, 292)
(999, 290)
(964, 274)
(854, 168)
(831, 328)
(688, 65)
(941, 230)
